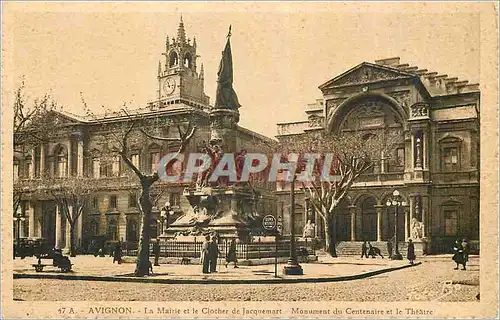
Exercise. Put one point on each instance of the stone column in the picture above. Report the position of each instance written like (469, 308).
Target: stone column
(67, 245)
(352, 209)
(79, 167)
(70, 158)
(382, 162)
(412, 153)
(407, 212)
(31, 220)
(31, 169)
(42, 160)
(58, 227)
(426, 205)
(380, 221)
(79, 230)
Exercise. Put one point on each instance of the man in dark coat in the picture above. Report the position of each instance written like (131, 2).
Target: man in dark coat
(363, 250)
(214, 254)
(410, 255)
(117, 253)
(458, 255)
(389, 247)
(156, 250)
(205, 255)
(231, 254)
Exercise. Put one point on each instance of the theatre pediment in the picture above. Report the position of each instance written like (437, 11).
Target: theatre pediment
(365, 73)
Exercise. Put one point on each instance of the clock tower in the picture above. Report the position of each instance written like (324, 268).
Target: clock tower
(178, 80)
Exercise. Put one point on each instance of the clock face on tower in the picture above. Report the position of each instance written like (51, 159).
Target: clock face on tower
(169, 86)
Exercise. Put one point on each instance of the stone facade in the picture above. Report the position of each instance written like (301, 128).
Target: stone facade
(436, 168)
(80, 146)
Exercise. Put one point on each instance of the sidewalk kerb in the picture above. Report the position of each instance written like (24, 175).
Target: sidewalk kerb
(211, 281)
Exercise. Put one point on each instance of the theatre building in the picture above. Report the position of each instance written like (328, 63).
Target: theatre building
(435, 170)
(81, 144)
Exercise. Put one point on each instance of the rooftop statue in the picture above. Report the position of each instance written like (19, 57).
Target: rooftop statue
(226, 97)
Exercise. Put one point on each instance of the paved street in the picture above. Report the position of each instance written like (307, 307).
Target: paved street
(434, 279)
(97, 266)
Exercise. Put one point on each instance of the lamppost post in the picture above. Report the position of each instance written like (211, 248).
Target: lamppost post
(396, 203)
(18, 218)
(164, 214)
(292, 267)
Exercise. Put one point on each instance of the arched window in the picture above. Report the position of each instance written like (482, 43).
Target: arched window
(187, 60)
(112, 230)
(28, 169)
(174, 59)
(61, 162)
(132, 234)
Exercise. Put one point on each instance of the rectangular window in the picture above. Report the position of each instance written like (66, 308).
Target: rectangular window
(450, 159)
(16, 171)
(155, 158)
(135, 160)
(132, 201)
(116, 166)
(175, 199)
(451, 222)
(113, 202)
(95, 203)
(400, 156)
(96, 168)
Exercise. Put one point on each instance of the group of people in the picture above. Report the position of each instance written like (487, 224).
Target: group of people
(210, 253)
(461, 253)
(367, 250)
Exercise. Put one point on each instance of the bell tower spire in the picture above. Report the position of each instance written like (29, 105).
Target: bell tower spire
(178, 80)
(181, 33)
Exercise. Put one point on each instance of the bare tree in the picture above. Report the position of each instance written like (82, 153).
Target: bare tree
(71, 194)
(122, 133)
(347, 156)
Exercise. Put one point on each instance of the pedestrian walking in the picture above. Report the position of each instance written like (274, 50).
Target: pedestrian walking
(214, 254)
(458, 255)
(466, 247)
(410, 255)
(117, 253)
(363, 250)
(389, 248)
(231, 254)
(156, 250)
(205, 255)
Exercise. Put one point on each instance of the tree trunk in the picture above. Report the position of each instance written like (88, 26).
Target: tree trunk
(72, 245)
(330, 237)
(142, 265)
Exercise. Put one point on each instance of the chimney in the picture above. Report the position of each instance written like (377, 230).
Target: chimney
(388, 61)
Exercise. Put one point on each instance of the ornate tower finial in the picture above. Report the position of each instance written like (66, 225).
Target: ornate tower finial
(194, 42)
(167, 44)
(159, 68)
(181, 33)
(202, 72)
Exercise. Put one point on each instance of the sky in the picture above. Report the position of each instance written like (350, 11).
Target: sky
(282, 52)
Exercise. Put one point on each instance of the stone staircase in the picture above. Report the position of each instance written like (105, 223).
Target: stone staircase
(353, 248)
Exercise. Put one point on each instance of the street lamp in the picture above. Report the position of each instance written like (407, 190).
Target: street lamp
(396, 202)
(18, 218)
(292, 266)
(164, 216)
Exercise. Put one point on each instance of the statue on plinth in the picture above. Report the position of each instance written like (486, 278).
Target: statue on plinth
(417, 228)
